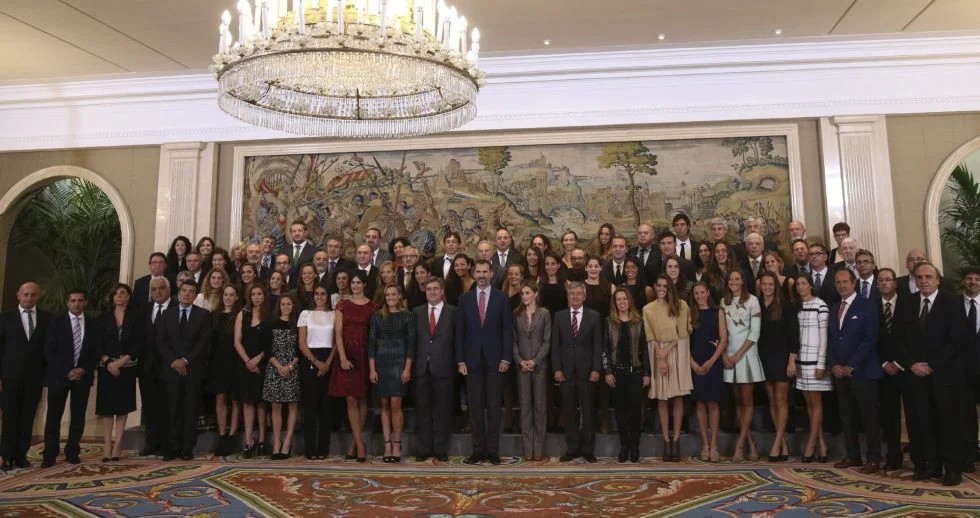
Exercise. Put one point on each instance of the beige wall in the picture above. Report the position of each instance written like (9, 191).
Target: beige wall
(809, 159)
(133, 171)
(918, 145)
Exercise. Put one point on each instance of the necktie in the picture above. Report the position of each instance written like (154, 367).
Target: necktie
(266, 262)
(619, 272)
(840, 314)
(888, 316)
(643, 256)
(333, 264)
(158, 313)
(432, 320)
(755, 267)
(407, 278)
(575, 324)
(296, 252)
(972, 315)
(864, 289)
(503, 259)
(76, 334)
(817, 282)
(483, 306)
(683, 254)
(30, 323)
(183, 316)
(924, 313)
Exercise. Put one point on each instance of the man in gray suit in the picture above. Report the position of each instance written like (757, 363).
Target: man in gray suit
(434, 368)
(576, 352)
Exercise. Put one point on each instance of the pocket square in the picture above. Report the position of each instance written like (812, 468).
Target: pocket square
(854, 317)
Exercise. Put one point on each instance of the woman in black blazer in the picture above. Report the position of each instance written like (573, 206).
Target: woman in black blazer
(122, 330)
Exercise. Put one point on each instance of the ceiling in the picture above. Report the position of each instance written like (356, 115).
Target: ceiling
(45, 40)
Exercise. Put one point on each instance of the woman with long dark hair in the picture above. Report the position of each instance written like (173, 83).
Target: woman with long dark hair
(281, 384)
(220, 367)
(626, 363)
(598, 289)
(391, 347)
(460, 279)
(809, 364)
(708, 343)
(743, 369)
(534, 259)
(778, 337)
(601, 246)
(177, 255)
(122, 335)
(636, 284)
(316, 338)
(672, 268)
(303, 293)
(221, 259)
(701, 260)
(569, 242)
(249, 326)
(551, 285)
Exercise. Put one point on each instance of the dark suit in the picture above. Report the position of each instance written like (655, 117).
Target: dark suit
(153, 392)
(793, 270)
(828, 290)
(609, 273)
(22, 373)
(189, 341)
(329, 279)
(891, 387)
(934, 406)
(305, 256)
(434, 369)
(500, 271)
(383, 255)
(437, 264)
(577, 357)
(873, 294)
(482, 347)
(971, 392)
(141, 292)
(59, 352)
(854, 344)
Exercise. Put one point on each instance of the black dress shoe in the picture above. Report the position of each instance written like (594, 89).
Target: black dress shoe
(187, 456)
(635, 454)
(422, 457)
(46, 463)
(167, 457)
(952, 478)
(623, 454)
(568, 457)
(920, 474)
(442, 458)
(73, 459)
(475, 458)
(494, 459)
(936, 474)
(22, 463)
(970, 468)
(149, 451)
(590, 458)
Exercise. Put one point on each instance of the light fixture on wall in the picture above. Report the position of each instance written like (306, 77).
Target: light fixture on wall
(349, 68)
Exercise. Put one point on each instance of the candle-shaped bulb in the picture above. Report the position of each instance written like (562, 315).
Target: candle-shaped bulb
(418, 22)
(300, 17)
(340, 16)
(244, 20)
(462, 35)
(441, 22)
(226, 17)
(383, 22)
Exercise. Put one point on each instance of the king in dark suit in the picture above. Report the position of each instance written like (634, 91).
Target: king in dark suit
(484, 352)
(576, 357)
(69, 349)
(434, 372)
(153, 393)
(183, 338)
(852, 340)
(22, 335)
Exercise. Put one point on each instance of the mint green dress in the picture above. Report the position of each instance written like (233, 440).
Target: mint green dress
(744, 323)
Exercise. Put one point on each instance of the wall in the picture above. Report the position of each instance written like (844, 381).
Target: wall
(809, 159)
(918, 145)
(133, 171)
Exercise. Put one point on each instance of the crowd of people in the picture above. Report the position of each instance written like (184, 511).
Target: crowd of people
(561, 332)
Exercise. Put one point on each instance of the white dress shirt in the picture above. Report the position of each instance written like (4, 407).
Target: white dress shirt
(447, 265)
(848, 301)
(821, 273)
(502, 257)
(23, 320)
(932, 301)
(687, 248)
(438, 308)
(913, 289)
(161, 307)
(572, 315)
(966, 308)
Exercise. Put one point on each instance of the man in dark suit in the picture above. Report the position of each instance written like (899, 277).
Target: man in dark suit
(335, 262)
(852, 354)
(823, 276)
(141, 287)
(443, 264)
(363, 259)
(931, 331)
(434, 373)
(576, 354)
(503, 256)
(615, 268)
(667, 244)
(253, 256)
(300, 250)
(754, 249)
(906, 283)
(971, 393)
(183, 338)
(646, 247)
(686, 247)
(372, 237)
(484, 352)
(283, 265)
(890, 388)
(406, 272)
(22, 336)
(69, 350)
(153, 392)
(800, 259)
(867, 283)
(757, 225)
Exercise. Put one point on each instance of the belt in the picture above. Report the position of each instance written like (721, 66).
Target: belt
(807, 363)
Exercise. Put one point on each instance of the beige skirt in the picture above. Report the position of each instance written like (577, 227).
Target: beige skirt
(678, 380)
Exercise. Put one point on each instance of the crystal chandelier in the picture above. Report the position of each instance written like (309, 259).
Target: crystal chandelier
(349, 68)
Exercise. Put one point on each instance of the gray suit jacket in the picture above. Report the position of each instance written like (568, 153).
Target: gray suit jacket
(533, 344)
(577, 356)
(435, 351)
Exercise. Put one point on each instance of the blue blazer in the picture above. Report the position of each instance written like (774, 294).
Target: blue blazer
(494, 340)
(59, 351)
(856, 343)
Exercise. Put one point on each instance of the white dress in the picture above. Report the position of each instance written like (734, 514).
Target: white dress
(813, 317)
(744, 323)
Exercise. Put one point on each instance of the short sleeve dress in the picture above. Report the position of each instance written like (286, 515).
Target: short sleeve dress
(281, 340)
(356, 319)
(391, 341)
(744, 322)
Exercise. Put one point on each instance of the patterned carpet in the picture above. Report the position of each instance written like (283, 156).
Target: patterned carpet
(297, 487)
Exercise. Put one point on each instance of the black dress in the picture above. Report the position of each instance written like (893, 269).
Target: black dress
(223, 356)
(597, 298)
(777, 339)
(248, 384)
(639, 293)
(116, 395)
(553, 297)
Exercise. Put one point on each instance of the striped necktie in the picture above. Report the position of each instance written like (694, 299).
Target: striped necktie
(888, 316)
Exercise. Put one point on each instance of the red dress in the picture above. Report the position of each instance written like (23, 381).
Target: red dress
(354, 382)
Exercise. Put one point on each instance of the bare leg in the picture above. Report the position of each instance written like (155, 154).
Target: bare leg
(276, 428)
(235, 411)
(397, 424)
(744, 396)
(120, 424)
(714, 416)
(678, 403)
(291, 412)
(107, 436)
(386, 424)
(261, 422)
(782, 416)
(249, 418)
(664, 418)
(355, 416)
(221, 411)
(702, 412)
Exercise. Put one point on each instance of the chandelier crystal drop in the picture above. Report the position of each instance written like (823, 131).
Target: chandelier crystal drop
(349, 68)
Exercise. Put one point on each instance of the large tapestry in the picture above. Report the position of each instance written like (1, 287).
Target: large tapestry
(528, 189)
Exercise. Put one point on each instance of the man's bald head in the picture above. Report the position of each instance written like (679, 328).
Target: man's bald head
(27, 295)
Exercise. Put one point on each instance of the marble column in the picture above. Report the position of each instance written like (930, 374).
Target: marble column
(188, 180)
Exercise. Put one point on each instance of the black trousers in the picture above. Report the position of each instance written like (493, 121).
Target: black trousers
(483, 383)
(577, 398)
(77, 391)
(19, 399)
(934, 423)
(155, 409)
(858, 400)
(890, 405)
(183, 398)
(315, 405)
(433, 413)
(628, 398)
(970, 400)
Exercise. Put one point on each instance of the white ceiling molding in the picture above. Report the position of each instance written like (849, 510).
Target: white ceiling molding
(739, 82)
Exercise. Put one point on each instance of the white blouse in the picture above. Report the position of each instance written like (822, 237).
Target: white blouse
(319, 328)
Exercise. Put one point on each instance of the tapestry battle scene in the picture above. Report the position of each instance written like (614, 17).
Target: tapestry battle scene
(528, 189)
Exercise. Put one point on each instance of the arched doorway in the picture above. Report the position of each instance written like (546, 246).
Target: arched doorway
(13, 201)
(934, 200)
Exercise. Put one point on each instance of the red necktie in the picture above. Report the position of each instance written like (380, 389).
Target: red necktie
(483, 306)
(575, 323)
(840, 314)
(432, 320)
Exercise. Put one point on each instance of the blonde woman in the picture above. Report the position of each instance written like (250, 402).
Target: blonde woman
(212, 288)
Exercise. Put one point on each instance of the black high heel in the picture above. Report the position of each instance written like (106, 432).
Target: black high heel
(668, 454)
(806, 459)
(249, 451)
(396, 458)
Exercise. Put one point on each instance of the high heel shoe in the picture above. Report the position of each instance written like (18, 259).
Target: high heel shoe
(351, 455)
(715, 456)
(675, 450)
(396, 458)
(705, 454)
(806, 459)
(624, 453)
(387, 458)
(249, 451)
(738, 456)
(668, 454)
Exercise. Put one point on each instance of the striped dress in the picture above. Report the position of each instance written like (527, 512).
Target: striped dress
(813, 318)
